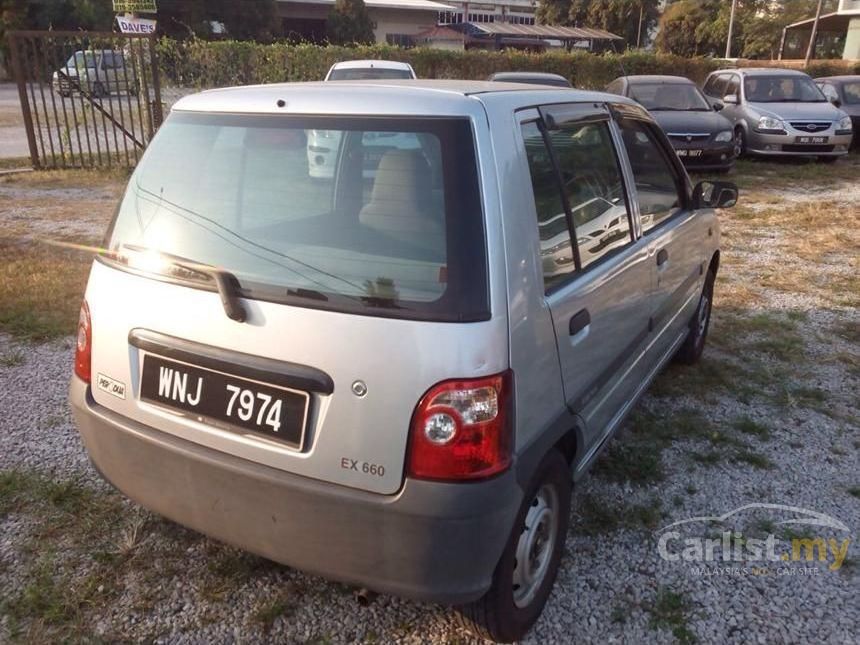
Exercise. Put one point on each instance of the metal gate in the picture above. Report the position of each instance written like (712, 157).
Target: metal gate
(89, 99)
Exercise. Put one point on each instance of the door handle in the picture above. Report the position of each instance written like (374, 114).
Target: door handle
(580, 320)
(662, 257)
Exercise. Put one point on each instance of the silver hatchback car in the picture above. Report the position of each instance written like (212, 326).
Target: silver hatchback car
(391, 379)
(779, 112)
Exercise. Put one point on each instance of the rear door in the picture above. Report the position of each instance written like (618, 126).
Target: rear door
(670, 228)
(359, 292)
(596, 274)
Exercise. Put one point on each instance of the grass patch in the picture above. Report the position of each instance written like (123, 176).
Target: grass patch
(813, 398)
(638, 464)
(671, 610)
(67, 516)
(710, 458)
(12, 359)
(40, 289)
(598, 516)
(754, 459)
(282, 606)
(848, 329)
(15, 163)
(748, 426)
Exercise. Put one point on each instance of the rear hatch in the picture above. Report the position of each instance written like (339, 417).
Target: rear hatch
(291, 320)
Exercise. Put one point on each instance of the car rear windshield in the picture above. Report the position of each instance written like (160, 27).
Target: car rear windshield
(669, 96)
(782, 89)
(367, 73)
(377, 216)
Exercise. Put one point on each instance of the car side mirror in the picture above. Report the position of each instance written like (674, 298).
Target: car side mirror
(718, 106)
(731, 98)
(835, 100)
(715, 194)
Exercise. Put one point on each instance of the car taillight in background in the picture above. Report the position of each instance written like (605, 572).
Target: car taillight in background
(84, 344)
(461, 429)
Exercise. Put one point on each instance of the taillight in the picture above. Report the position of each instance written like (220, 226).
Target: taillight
(84, 346)
(462, 429)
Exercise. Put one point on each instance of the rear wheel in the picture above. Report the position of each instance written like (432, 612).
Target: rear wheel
(526, 572)
(691, 351)
(98, 90)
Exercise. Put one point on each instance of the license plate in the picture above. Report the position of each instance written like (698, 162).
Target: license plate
(811, 139)
(226, 401)
(690, 153)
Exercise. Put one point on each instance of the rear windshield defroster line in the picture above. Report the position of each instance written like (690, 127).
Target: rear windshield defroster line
(376, 216)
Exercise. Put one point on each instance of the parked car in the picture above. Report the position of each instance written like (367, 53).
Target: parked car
(380, 381)
(844, 93)
(359, 70)
(98, 72)
(780, 112)
(701, 136)
(532, 78)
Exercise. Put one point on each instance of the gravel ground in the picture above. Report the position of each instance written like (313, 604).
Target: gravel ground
(613, 586)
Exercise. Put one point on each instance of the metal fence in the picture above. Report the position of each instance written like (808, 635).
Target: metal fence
(88, 99)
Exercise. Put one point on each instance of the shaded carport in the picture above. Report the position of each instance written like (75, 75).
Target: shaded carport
(832, 33)
(501, 34)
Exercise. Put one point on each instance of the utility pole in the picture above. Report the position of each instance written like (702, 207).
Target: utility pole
(810, 50)
(731, 28)
(639, 32)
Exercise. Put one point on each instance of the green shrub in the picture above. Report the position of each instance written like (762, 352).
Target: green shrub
(200, 63)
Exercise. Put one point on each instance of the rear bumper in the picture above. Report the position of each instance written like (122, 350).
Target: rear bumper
(431, 541)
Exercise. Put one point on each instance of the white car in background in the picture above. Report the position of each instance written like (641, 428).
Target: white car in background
(359, 70)
(324, 144)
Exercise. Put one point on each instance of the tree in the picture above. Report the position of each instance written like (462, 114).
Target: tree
(620, 17)
(349, 23)
(700, 27)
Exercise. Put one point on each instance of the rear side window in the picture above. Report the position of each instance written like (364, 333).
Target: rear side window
(657, 185)
(555, 240)
(593, 187)
(576, 180)
(378, 216)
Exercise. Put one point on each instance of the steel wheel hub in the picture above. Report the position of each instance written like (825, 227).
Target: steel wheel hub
(535, 546)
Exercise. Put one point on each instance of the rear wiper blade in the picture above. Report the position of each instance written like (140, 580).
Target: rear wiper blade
(226, 283)
(310, 294)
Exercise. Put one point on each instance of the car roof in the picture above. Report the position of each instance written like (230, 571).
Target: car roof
(657, 78)
(371, 63)
(843, 78)
(501, 76)
(764, 71)
(395, 96)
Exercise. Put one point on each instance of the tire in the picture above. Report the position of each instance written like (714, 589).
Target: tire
(740, 143)
(828, 159)
(98, 90)
(506, 613)
(691, 351)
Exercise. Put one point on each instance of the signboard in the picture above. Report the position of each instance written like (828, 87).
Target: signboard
(134, 6)
(143, 26)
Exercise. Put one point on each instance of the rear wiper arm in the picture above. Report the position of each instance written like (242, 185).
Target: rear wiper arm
(225, 282)
(227, 285)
